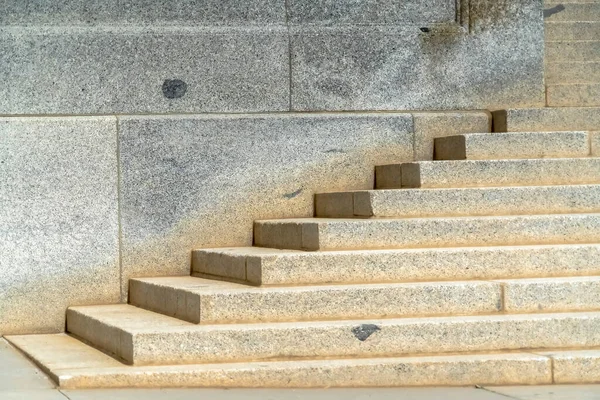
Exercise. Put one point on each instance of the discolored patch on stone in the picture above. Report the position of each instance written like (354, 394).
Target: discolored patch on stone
(554, 10)
(293, 194)
(364, 331)
(174, 88)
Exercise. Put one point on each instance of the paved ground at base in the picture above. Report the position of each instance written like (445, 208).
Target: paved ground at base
(21, 380)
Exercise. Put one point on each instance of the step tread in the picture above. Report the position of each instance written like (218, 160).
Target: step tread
(547, 118)
(73, 364)
(469, 201)
(202, 301)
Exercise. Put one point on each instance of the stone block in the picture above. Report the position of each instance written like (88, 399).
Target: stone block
(148, 338)
(58, 219)
(102, 70)
(583, 50)
(95, 369)
(399, 67)
(484, 173)
(575, 366)
(212, 302)
(578, 30)
(388, 176)
(574, 95)
(289, 267)
(429, 126)
(595, 137)
(552, 294)
(200, 181)
(142, 13)
(573, 72)
(331, 12)
(464, 202)
(547, 119)
(500, 146)
(340, 234)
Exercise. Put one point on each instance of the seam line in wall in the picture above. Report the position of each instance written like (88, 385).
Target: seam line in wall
(119, 217)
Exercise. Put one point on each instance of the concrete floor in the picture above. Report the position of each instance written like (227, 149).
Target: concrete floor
(21, 380)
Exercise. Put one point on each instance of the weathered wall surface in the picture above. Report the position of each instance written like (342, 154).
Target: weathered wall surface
(58, 219)
(90, 57)
(88, 202)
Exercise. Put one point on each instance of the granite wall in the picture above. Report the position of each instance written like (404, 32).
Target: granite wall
(98, 56)
(205, 115)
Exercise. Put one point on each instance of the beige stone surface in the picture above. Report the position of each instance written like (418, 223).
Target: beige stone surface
(595, 138)
(552, 294)
(583, 50)
(40, 394)
(512, 145)
(429, 126)
(576, 366)
(572, 30)
(449, 370)
(478, 173)
(211, 302)
(462, 201)
(388, 176)
(547, 119)
(147, 338)
(574, 94)
(345, 234)
(290, 267)
(573, 71)
(579, 11)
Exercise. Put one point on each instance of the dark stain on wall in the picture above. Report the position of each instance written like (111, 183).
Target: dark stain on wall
(554, 10)
(174, 88)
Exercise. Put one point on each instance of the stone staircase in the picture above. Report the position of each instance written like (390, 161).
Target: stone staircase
(481, 267)
(572, 52)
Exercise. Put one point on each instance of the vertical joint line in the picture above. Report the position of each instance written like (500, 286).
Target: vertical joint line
(289, 37)
(119, 203)
(551, 368)
(502, 297)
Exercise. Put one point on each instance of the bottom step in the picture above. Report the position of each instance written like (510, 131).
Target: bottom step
(72, 364)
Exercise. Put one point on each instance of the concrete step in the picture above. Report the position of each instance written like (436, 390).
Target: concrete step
(412, 203)
(551, 294)
(595, 141)
(259, 266)
(211, 302)
(547, 119)
(573, 95)
(575, 366)
(573, 72)
(583, 11)
(513, 145)
(580, 50)
(141, 337)
(75, 365)
(572, 30)
(344, 234)
(491, 173)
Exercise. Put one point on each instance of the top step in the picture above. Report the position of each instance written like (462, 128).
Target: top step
(521, 145)
(547, 119)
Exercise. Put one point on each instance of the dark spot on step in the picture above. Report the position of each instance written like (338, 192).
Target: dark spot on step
(364, 331)
(293, 194)
(554, 10)
(174, 88)
(425, 30)
(335, 151)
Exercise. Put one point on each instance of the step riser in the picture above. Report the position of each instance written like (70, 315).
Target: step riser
(547, 119)
(403, 265)
(448, 174)
(196, 344)
(579, 30)
(583, 11)
(460, 202)
(576, 366)
(552, 295)
(328, 303)
(460, 371)
(524, 145)
(575, 72)
(429, 232)
(570, 95)
(586, 50)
